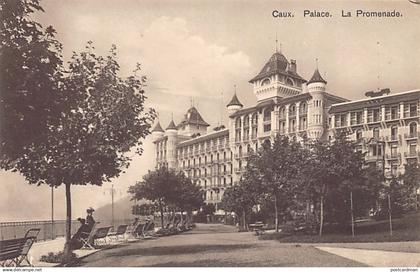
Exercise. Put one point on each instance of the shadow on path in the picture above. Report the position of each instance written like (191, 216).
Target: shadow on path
(178, 250)
(214, 263)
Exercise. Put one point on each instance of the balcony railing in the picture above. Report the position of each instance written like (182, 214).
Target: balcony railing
(392, 138)
(412, 135)
(238, 170)
(412, 154)
(393, 156)
(371, 158)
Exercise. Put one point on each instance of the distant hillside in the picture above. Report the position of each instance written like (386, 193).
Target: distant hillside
(122, 210)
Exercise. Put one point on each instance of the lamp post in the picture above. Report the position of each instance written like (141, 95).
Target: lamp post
(52, 212)
(389, 193)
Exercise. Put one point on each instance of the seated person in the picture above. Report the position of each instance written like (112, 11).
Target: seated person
(82, 232)
(89, 217)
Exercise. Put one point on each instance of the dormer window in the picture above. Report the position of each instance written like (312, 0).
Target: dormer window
(265, 82)
(290, 81)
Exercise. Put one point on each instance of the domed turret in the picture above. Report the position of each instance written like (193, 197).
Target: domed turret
(317, 110)
(193, 123)
(234, 105)
(316, 83)
(157, 131)
(171, 126)
(172, 140)
(277, 78)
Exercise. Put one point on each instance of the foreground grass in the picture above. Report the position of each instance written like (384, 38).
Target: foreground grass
(406, 228)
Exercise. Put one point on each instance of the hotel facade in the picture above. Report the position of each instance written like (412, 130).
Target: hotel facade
(385, 127)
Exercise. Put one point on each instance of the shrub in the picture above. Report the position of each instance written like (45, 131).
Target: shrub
(56, 257)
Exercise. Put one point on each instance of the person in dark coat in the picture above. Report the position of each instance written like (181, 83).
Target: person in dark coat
(89, 218)
(82, 232)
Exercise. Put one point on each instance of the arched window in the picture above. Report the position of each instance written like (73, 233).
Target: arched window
(238, 123)
(359, 135)
(267, 113)
(246, 121)
(290, 81)
(292, 110)
(240, 151)
(255, 119)
(376, 133)
(303, 108)
(282, 113)
(413, 129)
(265, 82)
(394, 133)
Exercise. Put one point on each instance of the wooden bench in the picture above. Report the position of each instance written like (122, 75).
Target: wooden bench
(258, 227)
(14, 252)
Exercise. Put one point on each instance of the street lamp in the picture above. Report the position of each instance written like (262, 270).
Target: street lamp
(383, 144)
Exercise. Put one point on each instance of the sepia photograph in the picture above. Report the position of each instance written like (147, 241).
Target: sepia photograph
(198, 133)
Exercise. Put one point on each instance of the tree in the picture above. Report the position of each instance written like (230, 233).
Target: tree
(276, 168)
(238, 200)
(411, 181)
(29, 68)
(102, 118)
(337, 170)
(189, 196)
(159, 187)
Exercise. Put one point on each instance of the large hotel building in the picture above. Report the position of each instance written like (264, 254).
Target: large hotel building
(385, 127)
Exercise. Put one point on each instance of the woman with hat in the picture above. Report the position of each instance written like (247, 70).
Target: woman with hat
(89, 218)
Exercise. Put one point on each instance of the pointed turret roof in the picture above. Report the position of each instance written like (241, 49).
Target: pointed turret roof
(193, 117)
(234, 101)
(277, 64)
(171, 125)
(157, 127)
(316, 77)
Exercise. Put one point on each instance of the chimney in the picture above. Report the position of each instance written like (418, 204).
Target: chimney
(292, 65)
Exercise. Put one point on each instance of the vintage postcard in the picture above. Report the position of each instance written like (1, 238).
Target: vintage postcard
(236, 133)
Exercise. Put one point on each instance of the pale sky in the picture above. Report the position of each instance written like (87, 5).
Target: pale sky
(203, 48)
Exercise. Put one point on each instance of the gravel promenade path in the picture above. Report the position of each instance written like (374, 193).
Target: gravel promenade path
(213, 245)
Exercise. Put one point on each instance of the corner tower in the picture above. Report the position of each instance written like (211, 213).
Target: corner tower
(278, 78)
(172, 134)
(316, 109)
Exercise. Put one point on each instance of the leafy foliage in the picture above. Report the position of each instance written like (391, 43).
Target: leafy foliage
(167, 188)
(30, 69)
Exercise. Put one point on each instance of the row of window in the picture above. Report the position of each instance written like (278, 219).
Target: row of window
(204, 146)
(394, 132)
(392, 112)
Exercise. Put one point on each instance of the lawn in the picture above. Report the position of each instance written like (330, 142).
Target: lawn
(406, 228)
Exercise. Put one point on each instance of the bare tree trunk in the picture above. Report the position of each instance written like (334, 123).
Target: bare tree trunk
(182, 217)
(161, 214)
(276, 214)
(244, 219)
(352, 213)
(67, 248)
(321, 223)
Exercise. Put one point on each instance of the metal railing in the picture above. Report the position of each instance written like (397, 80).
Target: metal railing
(49, 231)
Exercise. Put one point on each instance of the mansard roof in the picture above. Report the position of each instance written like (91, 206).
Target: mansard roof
(203, 138)
(396, 98)
(235, 101)
(193, 117)
(316, 77)
(277, 64)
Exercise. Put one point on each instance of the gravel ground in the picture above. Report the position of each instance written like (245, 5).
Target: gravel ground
(409, 246)
(215, 246)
